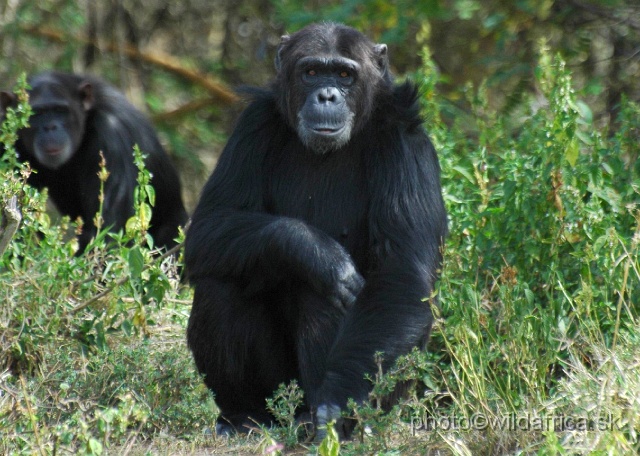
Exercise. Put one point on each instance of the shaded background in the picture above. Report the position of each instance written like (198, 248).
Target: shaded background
(180, 61)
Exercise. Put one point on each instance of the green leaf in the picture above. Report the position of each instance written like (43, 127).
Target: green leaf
(572, 152)
(330, 445)
(529, 295)
(94, 447)
(465, 173)
(136, 262)
(584, 137)
(584, 111)
(151, 194)
(145, 216)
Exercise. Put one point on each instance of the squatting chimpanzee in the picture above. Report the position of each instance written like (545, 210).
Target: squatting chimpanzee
(317, 239)
(74, 118)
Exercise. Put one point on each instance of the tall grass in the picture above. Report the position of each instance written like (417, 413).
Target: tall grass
(540, 292)
(535, 349)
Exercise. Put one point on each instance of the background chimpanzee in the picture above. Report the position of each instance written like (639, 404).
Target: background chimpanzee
(74, 118)
(317, 239)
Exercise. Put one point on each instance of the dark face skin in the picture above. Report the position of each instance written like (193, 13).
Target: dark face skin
(57, 124)
(325, 120)
(329, 79)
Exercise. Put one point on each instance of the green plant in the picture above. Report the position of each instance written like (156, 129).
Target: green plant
(283, 406)
(330, 445)
(538, 313)
(64, 318)
(544, 229)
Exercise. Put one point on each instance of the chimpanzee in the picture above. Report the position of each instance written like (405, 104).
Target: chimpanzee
(317, 240)
(75, 117)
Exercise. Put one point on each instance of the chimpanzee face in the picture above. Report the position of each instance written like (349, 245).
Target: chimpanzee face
(57, 125)
(329, 80)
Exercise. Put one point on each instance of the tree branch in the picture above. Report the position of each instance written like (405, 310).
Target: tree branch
(607, 13)
(185, 109)
(165, 61)
(10, 222)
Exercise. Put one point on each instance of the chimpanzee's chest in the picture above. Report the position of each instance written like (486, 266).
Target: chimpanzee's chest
(328, 191)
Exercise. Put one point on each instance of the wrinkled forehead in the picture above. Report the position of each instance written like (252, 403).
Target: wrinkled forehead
(328, 42)
(47, 88)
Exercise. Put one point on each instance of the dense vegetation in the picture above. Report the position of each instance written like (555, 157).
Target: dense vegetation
(536, 346)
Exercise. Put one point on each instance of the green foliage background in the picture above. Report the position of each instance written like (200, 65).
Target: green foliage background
(540, 291)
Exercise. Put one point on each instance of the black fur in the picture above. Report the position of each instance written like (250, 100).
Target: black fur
(68, 106)
(304, 264)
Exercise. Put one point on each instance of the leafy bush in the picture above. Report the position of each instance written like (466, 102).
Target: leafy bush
(72, 327)
(537, 319)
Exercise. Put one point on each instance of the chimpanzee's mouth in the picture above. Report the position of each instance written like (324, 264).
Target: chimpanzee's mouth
(53, 151)
(328, 130)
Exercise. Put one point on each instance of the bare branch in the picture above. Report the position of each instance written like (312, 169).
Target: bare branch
(167, 62)
(10, 222)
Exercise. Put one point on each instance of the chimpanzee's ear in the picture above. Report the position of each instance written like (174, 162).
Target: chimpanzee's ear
(380, 51)
(284, 39)
(86, 95)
